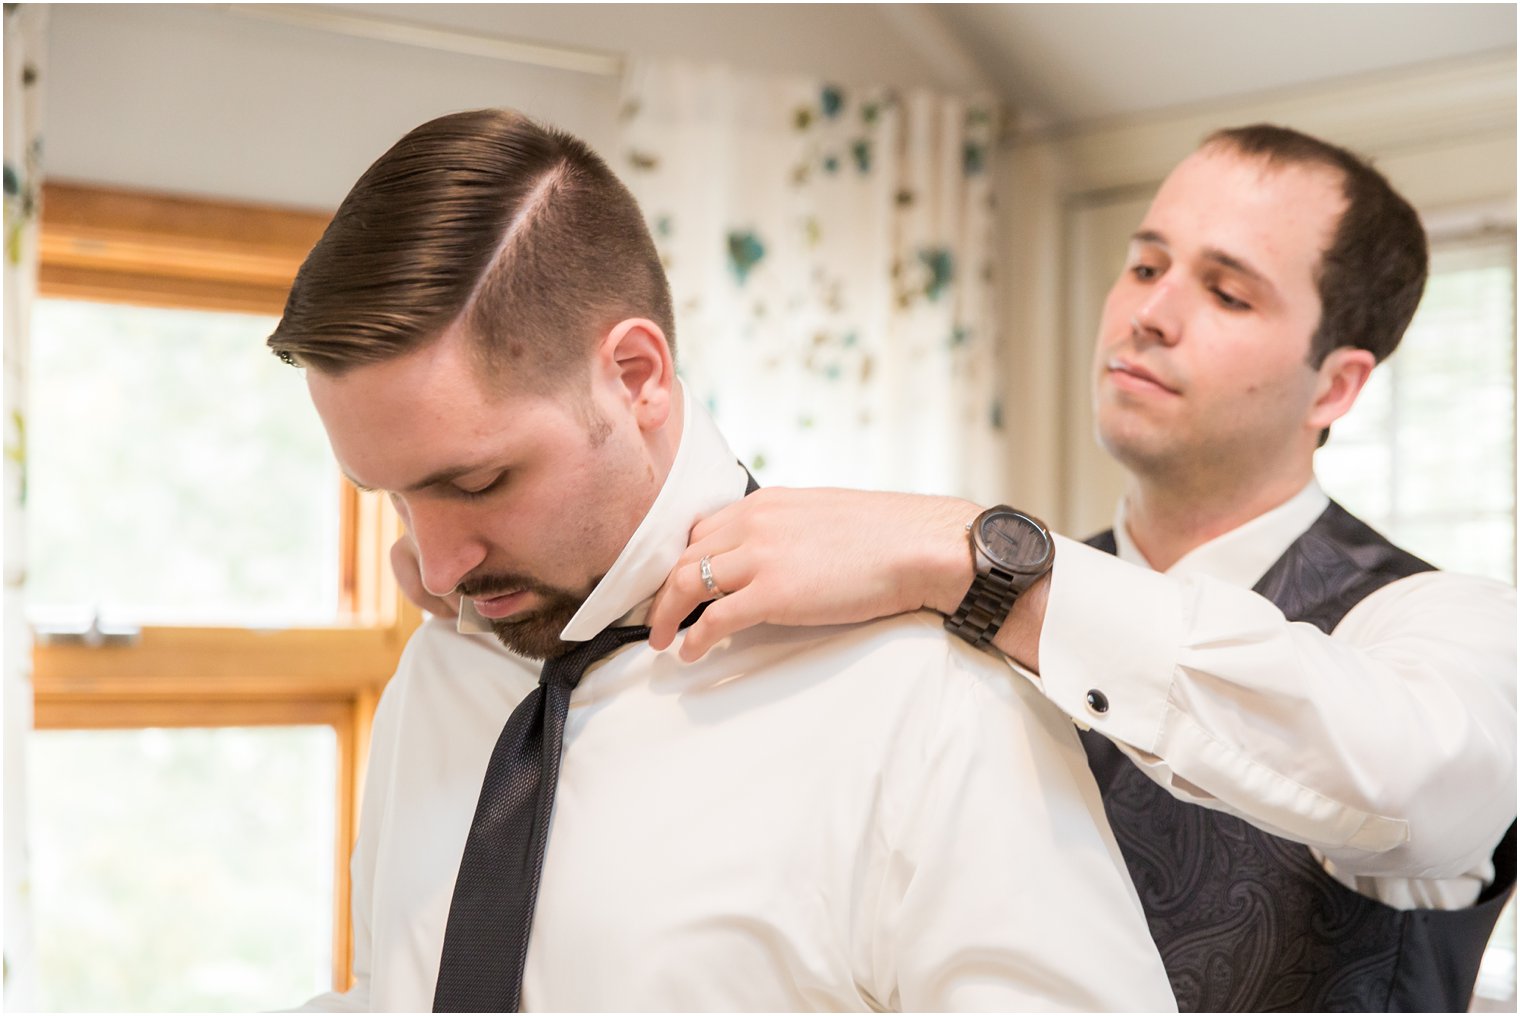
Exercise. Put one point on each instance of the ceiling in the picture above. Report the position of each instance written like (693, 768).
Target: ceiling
(1056, 65)
(1069, 63)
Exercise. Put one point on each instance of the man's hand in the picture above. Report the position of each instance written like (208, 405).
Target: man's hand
(815, 557)
(409, 577)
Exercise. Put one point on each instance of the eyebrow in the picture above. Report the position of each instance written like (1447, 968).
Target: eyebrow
(435, 479)
(1213, 254)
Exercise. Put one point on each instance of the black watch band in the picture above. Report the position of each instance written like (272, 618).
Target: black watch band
(984, 608)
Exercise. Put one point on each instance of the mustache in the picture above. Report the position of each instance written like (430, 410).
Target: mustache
(484, 587)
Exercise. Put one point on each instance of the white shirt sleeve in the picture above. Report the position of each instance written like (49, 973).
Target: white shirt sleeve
(1004, 890)
(1389, 746)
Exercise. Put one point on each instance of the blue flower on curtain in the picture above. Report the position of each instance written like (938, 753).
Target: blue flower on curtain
(861, 150)
(831, 101)
(744, 252)
(941, 265)
(974, 158)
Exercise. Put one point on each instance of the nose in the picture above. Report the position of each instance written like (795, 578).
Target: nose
(447, 548)
(1158, 318)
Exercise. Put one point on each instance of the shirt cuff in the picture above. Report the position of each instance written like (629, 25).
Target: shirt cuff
(1108, 647)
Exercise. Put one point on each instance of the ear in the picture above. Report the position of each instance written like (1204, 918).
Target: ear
(1338, 382)
(636, 369)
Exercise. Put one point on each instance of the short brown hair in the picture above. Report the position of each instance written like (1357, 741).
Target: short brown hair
(1373, 273)
(516, 230)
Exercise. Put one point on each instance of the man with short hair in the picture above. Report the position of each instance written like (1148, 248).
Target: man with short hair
(1305, 736)
(864, 817)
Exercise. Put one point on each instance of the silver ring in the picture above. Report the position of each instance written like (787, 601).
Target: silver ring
(704, 566)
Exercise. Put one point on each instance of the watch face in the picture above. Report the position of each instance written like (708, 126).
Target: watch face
(1015, 542)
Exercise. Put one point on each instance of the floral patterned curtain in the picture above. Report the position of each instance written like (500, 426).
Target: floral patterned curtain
(831, 256)
(25, 25)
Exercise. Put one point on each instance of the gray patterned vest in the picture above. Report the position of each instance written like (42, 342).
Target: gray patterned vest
(1246, 921)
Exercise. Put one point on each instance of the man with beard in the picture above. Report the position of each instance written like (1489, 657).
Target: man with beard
(865, 817)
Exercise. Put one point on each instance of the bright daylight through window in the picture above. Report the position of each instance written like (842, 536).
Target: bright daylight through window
(179, 474)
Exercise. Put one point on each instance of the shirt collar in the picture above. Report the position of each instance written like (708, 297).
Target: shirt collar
(1243, 555)
(705, 476)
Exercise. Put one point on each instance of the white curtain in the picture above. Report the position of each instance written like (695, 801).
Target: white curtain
(25, 25)
(831, 255)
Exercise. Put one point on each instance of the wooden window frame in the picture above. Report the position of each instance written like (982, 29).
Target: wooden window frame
(120, 246)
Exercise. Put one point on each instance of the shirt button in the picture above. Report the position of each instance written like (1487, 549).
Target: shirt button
(1097, 701)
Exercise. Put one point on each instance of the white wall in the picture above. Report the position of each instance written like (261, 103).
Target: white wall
(210, 101)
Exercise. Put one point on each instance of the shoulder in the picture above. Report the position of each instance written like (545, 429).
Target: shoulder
(1436, 599)
(911, 664)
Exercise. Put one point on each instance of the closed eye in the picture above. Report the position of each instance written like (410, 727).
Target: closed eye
(471, 493)
(1230, 302)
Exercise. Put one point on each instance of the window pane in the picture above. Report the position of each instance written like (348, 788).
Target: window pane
(183, 869)
(178, 472)
(1428, 454)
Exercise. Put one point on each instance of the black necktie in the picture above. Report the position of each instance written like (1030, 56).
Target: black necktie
(486, 942)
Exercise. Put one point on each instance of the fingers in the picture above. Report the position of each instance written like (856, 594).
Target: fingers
(409, 577)
(684, 589)
(731, 614)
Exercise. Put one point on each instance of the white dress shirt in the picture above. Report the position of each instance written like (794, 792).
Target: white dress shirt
(1387, 746)
(860, 817)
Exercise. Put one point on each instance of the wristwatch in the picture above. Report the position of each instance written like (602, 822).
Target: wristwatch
(1010, 550)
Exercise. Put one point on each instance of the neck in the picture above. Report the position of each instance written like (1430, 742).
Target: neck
(1168, 518)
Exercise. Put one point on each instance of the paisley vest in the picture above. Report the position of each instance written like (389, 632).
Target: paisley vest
(1247, 921)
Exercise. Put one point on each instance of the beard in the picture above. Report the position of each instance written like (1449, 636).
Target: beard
(535, 633)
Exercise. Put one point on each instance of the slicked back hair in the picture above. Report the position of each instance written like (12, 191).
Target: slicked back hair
(517, 232)
(1372, 275)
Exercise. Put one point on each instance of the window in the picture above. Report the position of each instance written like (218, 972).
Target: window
(215, 612)
(1427, 456)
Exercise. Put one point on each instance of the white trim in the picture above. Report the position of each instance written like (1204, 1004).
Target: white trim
(407, 33)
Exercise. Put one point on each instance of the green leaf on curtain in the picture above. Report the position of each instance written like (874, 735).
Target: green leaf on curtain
(941, 265)
(959, 336)
(996, 416)
(802, 118)
(862, 152)
(974, 159)
(831, 100)
(905, 198)
(869, 112)
(663, 226)
(811, 231)
(12, 181)
(745, 251)
(643, 161)
(757, 461)
(15, 451)
(831, 164)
